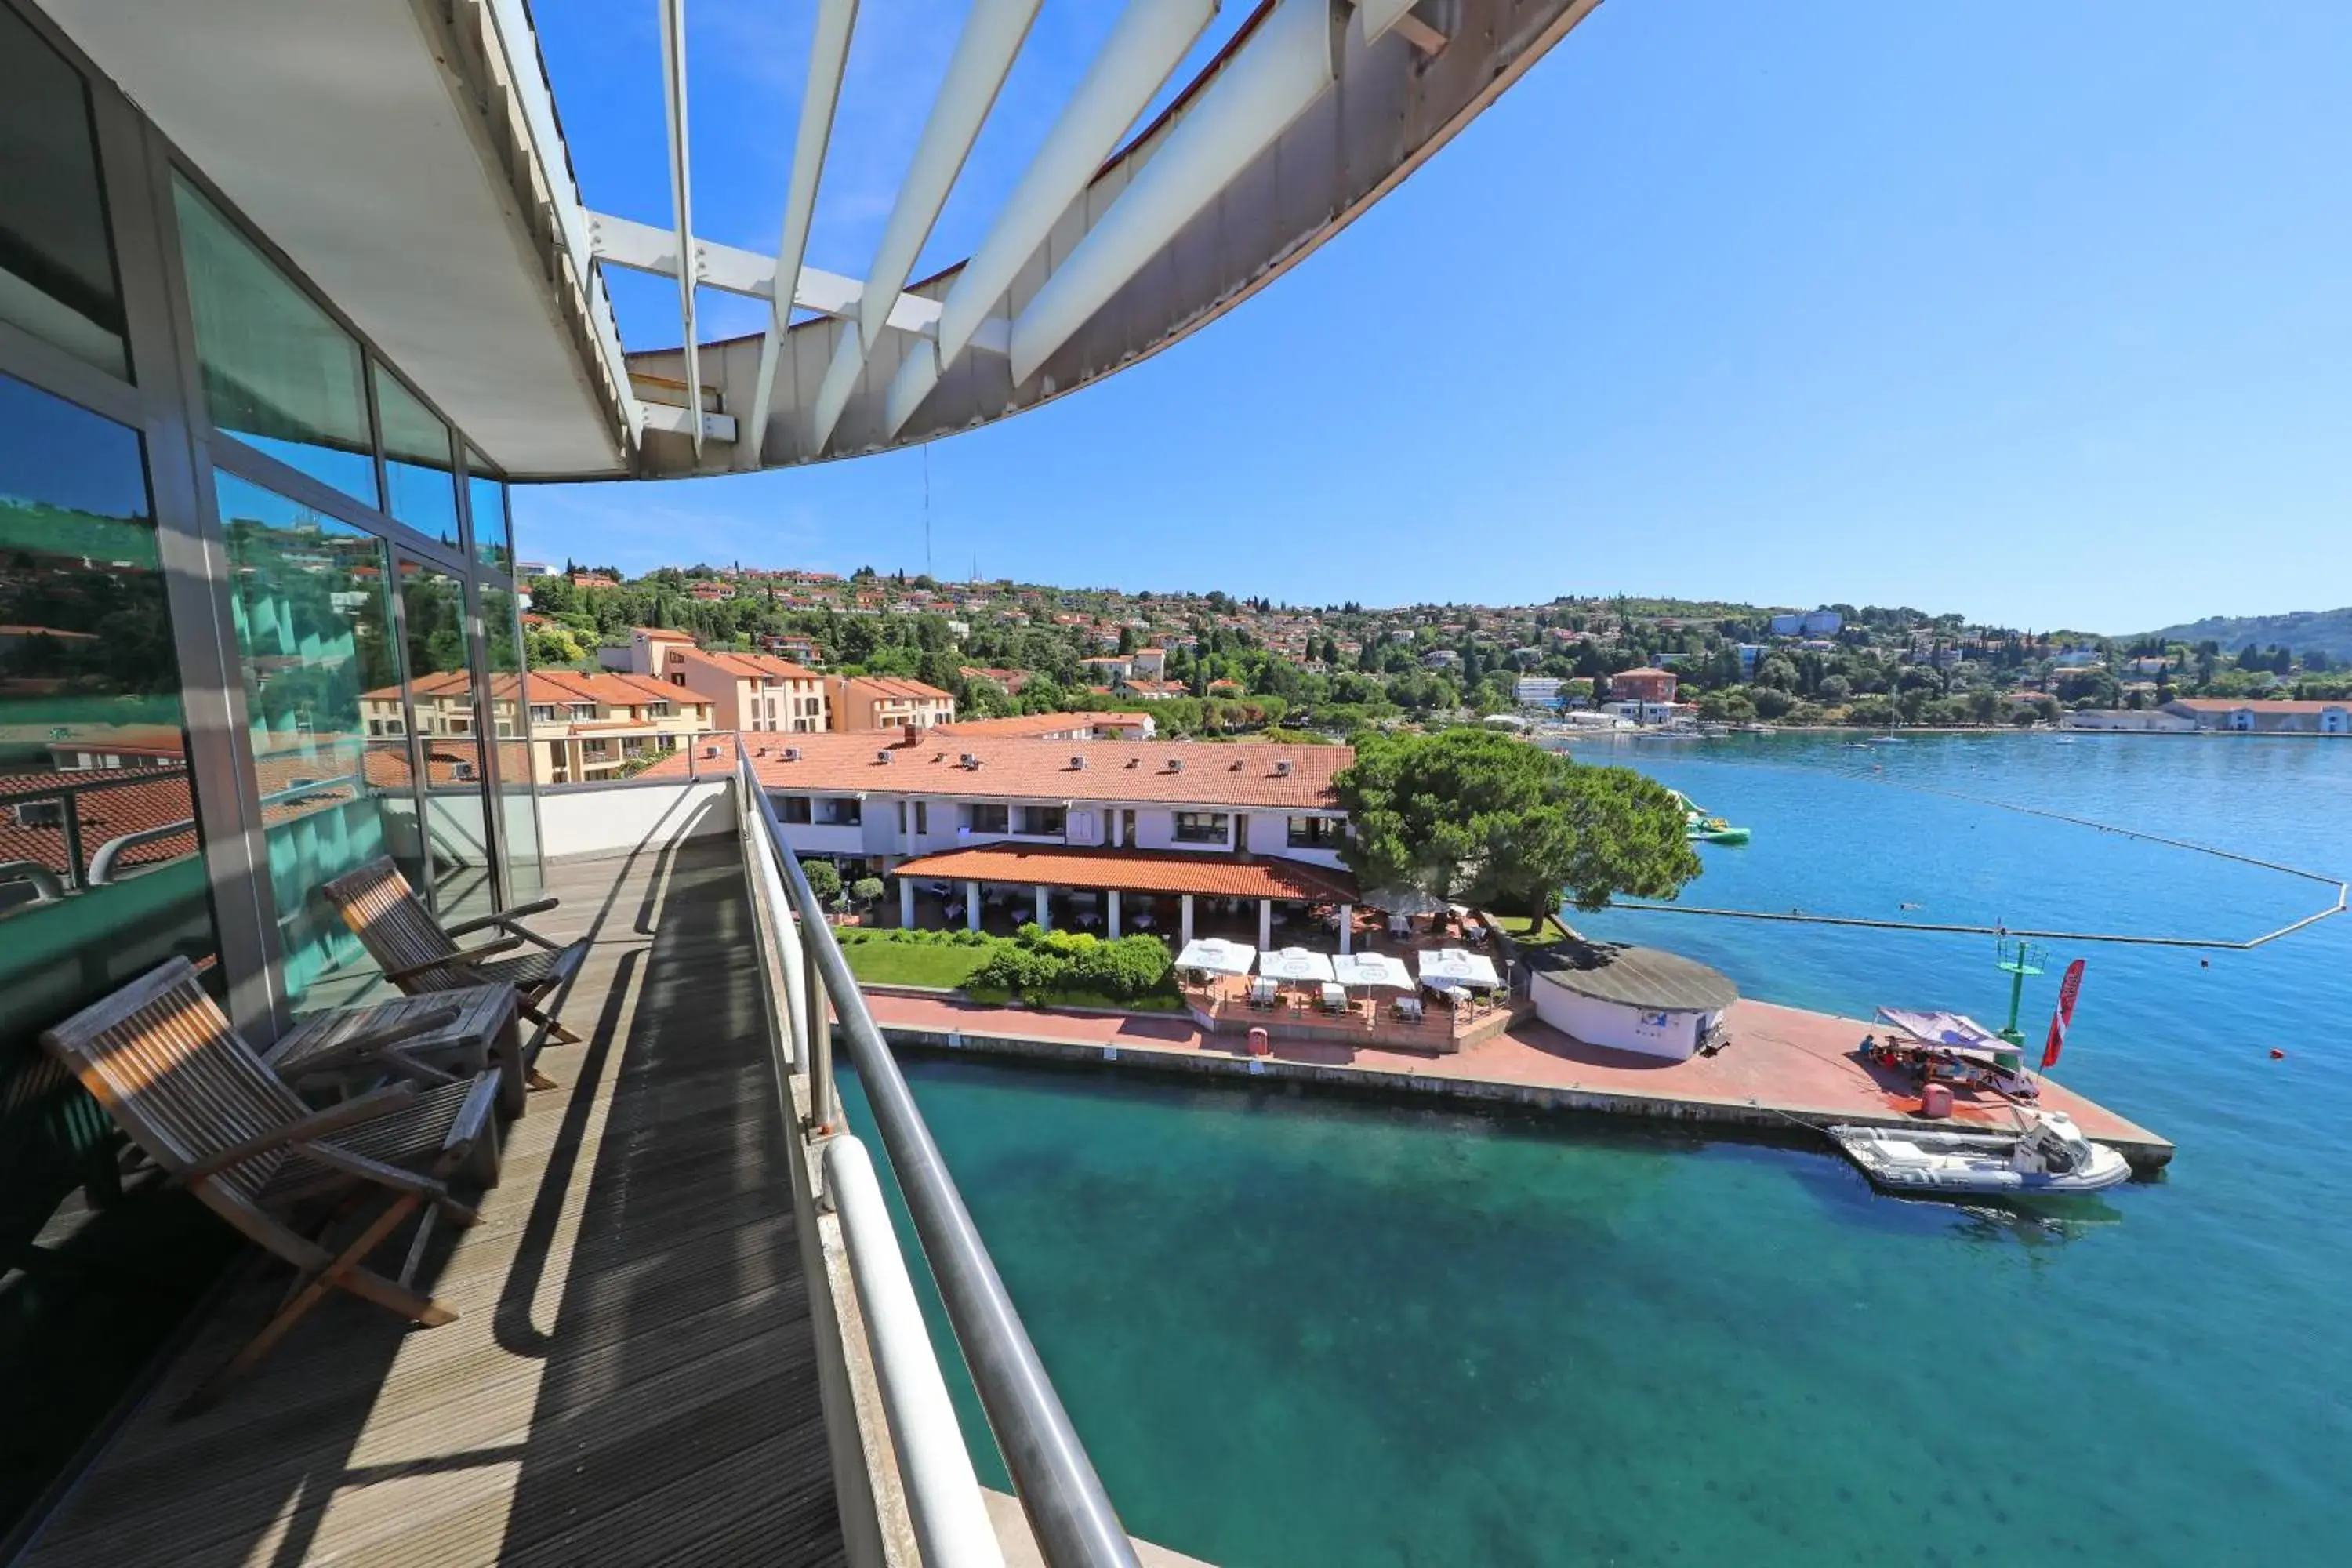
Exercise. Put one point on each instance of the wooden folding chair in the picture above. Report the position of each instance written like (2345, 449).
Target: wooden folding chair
(192, 1095)
(419, 955)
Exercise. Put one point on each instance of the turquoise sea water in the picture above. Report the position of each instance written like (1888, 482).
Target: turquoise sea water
(1306, 1331)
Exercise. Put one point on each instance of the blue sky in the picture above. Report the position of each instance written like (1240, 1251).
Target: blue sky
(2041, 313)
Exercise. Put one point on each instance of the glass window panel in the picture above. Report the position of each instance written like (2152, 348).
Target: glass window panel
(312, 609)
(57, 261)
(511, 713)
(101, 879)
(486, 495)
(278, 373)
(415, 461)
(441, 697)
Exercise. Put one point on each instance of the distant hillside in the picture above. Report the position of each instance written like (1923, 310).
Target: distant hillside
(2330, 631)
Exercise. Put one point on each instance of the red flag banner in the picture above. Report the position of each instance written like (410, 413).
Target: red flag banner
(2068, 989)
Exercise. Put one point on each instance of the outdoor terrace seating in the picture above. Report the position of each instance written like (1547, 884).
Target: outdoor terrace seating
(630, 1373)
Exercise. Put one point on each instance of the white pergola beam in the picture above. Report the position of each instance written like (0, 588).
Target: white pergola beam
(642, 248)
(1143, 50)
(681, 192)
(680, 421)
(1279, 74)
(828, 53)
(993, 33)
(518, 43)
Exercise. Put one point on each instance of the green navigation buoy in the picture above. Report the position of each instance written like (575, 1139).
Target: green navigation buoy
(2017, 959)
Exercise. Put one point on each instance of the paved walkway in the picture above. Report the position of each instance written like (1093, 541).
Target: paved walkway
(1780, 1060)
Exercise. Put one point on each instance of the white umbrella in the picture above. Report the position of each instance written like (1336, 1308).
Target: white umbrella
(1371, 969)
(1404, 901)
(1295, 963)
(1217, 955)
(1459, 967)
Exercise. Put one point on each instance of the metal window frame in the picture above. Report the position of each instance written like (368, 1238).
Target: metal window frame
(161, 400)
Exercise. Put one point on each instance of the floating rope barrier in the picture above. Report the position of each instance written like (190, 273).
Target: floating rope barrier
(1799, 917)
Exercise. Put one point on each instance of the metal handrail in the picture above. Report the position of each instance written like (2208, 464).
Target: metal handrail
(102, 865)
(949, 1515)
(1068, 1511)
(47, 888)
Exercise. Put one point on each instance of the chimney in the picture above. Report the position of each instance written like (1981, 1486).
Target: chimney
(912, 735)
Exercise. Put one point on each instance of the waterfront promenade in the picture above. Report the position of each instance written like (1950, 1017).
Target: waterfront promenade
(1783, 1069)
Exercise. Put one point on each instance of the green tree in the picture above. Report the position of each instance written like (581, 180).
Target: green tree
(824, 879)
(1487, 818)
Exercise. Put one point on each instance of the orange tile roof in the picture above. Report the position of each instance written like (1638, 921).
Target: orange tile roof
(1032, 725)
(887, 685)
(1239, 774)
(1138, 871)
(610, 688)
(747, 665)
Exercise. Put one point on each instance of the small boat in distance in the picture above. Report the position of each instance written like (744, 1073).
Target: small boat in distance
(2048, 1155)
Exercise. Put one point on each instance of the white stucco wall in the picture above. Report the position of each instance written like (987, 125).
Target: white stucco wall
(1613, 1024)
(589, 822)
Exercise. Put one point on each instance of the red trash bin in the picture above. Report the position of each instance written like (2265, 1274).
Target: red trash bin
(1259, 1046)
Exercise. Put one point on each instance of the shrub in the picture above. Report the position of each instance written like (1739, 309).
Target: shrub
(824, 879)
(867, 892)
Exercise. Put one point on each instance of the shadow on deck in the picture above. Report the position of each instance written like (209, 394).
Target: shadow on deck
(632, 1378)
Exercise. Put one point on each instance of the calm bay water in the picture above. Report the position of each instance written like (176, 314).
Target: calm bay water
(1300, 1330)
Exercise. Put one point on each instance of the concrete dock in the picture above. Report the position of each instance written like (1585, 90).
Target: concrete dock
(1783, 1068)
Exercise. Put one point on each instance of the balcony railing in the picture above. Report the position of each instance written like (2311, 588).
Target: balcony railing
(1068, 1510)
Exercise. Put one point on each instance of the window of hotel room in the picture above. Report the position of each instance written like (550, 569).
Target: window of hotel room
(278, 374)
(310, 599)
(1201, 827)
(56, 259)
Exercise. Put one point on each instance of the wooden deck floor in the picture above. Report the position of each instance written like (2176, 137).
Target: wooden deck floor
(632, 1378)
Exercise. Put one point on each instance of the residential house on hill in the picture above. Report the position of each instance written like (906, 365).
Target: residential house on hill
(750, 690)
(863, 702)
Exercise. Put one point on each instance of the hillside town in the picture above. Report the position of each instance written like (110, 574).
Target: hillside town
(812, 651)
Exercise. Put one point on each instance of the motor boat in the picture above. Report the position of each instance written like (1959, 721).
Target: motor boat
(2048, 1155)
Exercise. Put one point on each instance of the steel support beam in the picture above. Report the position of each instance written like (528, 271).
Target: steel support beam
(836, 20)
(1290, 64)
(1143, 50)
(993, 33)
(681, 198)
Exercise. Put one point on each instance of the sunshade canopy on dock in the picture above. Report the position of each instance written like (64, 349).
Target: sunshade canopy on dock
(1955, 1029)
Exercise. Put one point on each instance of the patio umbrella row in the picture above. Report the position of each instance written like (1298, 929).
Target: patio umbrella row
(1447, 967)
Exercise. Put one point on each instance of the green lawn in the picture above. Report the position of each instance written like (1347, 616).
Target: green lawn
(1542, 930)
(913, 964)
